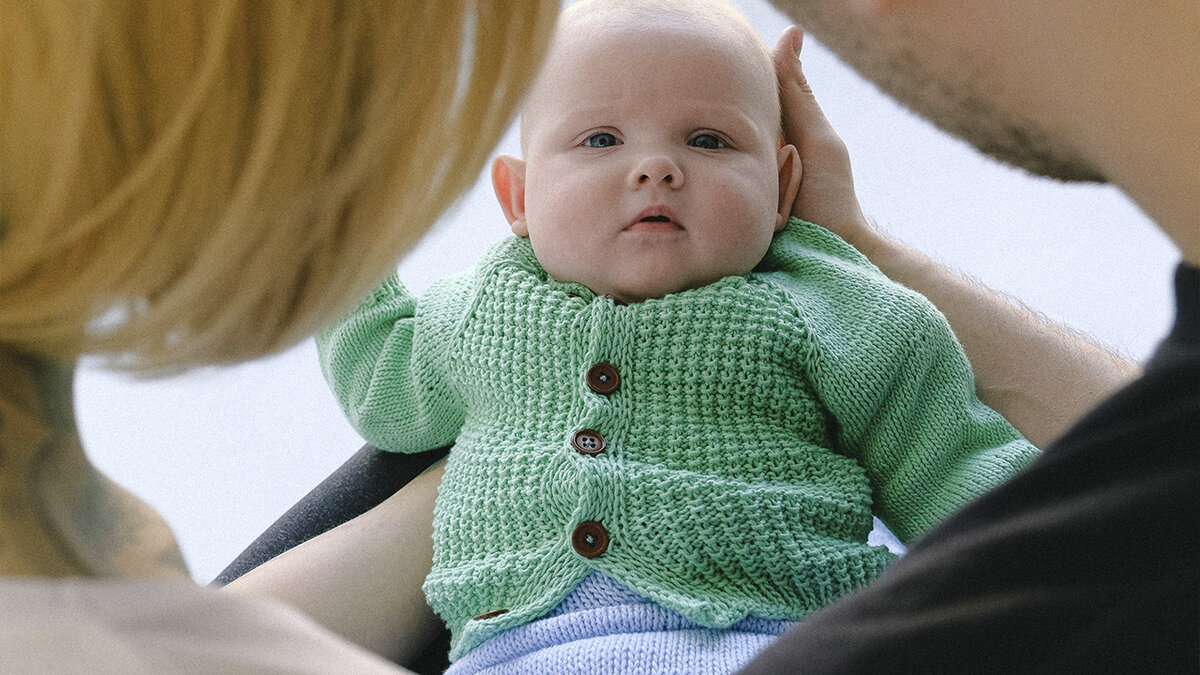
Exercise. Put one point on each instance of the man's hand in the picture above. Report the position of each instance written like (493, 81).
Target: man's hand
(826, 183)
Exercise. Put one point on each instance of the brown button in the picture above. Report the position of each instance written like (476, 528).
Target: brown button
(590, 539)
(491, 614)
(588, 442)
(603, 378)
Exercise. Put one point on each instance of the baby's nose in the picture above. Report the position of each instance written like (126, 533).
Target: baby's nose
(654, 170)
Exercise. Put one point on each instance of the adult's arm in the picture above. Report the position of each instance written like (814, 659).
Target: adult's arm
(363, 482)
(1041, 376)
(362, 579)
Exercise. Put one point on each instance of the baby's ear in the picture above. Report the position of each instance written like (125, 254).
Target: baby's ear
(508, 180)
(789, 183)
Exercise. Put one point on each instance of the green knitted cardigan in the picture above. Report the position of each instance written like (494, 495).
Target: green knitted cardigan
(757, 424)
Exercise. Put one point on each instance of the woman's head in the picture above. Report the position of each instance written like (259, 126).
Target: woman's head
(184, 183)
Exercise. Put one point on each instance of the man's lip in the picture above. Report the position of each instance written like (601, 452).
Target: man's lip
(655, 219)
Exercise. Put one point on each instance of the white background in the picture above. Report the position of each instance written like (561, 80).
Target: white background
(222, 453)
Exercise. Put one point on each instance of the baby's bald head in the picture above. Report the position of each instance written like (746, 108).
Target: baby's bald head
(712, 24)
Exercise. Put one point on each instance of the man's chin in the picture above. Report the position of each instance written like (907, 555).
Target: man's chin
(1039, 161)
(1014, 141)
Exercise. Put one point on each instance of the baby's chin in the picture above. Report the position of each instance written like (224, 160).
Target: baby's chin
(651, 289)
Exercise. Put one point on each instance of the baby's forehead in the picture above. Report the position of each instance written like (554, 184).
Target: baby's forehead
(593, 37)
(714, 23)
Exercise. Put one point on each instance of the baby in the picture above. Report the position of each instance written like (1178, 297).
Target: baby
(674, 409)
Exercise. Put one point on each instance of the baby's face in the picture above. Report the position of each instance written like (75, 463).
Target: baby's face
(652, 160)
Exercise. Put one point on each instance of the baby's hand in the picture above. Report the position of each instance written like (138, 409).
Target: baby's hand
(826, 184)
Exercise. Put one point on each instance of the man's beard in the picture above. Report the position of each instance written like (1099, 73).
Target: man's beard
(1020, 143)
(954, 104)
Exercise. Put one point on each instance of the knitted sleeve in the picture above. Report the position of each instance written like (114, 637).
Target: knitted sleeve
(886, 365)
(387, 365)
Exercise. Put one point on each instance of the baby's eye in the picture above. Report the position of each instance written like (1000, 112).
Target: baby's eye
(601, 140)
(707, 142)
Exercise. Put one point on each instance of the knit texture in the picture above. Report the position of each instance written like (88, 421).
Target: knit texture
(758, 422)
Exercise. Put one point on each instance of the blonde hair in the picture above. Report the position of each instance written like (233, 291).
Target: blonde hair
(190, 183)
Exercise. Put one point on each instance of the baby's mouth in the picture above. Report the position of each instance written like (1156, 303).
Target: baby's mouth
(655, 219)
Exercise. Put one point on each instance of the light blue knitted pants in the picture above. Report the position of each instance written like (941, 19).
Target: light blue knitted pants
(603, 628)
